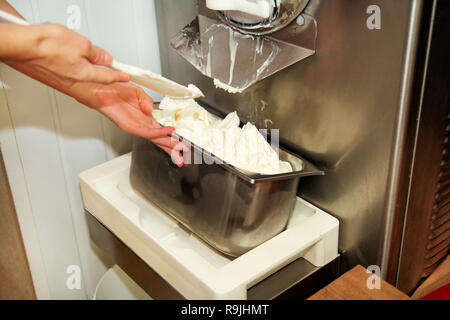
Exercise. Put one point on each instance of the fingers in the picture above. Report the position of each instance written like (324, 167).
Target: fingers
(97, 55)
(101, 75)
(130, 108)
(175, 155)
(172, 147)
(145, 102)
(160, 137)
(170, 143)
(151, 133)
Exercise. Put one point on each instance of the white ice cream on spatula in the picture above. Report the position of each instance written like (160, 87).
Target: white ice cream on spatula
(158, 83)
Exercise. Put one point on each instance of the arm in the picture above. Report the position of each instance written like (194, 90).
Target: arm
(64, 60)
(9, 33)
(5, 6)
(55, 49)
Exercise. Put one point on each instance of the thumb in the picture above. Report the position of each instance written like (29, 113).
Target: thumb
(97, 55)
(145, 103)
(101, 75)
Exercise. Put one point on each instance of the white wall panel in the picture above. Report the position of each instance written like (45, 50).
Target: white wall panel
(32, 117)
(56, 11)
(111, 26)
(18, 184)
(81, 144)
(147, 38)
(56, 138)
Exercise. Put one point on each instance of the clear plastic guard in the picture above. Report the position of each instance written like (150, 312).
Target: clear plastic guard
(236, 61)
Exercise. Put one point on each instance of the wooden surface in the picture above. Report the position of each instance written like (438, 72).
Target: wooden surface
(439, 278)
(353, 286)
(15, 277)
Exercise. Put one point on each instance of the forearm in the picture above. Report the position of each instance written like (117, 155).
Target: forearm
(18, 42)
(5, 6)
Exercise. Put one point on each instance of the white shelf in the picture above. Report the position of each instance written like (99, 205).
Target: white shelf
(193, 268)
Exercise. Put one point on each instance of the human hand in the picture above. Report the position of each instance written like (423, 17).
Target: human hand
(64, 60)
(130, 108)
(56, 52)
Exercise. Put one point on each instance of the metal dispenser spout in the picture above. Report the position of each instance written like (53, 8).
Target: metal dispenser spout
(237, 60)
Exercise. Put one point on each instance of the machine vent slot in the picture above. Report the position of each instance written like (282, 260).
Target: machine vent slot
(439, 235)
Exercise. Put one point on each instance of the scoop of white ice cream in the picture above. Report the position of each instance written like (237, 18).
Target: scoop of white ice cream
(244, 148)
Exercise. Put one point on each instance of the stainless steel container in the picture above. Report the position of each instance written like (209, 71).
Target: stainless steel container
(229, 209)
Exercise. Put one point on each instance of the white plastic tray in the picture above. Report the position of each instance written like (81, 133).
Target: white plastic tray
(193, 268)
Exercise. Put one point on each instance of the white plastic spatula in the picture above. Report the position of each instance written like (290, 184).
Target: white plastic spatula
(158, 83)
(148, 79)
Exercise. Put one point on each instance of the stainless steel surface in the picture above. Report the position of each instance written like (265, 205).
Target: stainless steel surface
(400, 131)
(240, 60)
(231, 211)
(408, 193)
(296, 281)
(299, 279)
(340, 108)
(278, 283)
(285, 12)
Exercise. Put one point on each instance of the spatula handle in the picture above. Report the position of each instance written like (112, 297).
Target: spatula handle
(8, 17)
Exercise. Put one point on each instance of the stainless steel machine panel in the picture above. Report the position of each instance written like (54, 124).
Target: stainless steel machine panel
(341, 108)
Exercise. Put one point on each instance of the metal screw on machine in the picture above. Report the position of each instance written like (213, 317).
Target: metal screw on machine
(300, 20)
